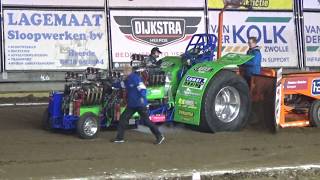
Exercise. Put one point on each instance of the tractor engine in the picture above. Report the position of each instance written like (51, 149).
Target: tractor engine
(156, 81)
(153, 76)
(151, 73)
(87, 88)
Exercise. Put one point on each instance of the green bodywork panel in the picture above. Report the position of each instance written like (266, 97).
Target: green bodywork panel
(156, 92)
(92, 109)
(96, 109)
(192, 87)
(171, 65)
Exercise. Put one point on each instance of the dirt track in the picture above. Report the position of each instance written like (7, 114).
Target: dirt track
(28, 151)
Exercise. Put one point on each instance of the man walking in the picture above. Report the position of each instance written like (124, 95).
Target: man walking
(136, 102)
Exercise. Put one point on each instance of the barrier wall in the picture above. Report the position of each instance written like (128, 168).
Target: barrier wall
(1, 53)
(58, 35)
(275, 32)
(312, 32)
(257, 4)
(140, 31)
(54, 40)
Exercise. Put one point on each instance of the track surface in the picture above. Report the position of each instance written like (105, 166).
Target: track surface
(28, 151)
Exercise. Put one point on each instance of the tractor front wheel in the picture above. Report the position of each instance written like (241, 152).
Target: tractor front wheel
(226, 104)
(88, 126)
(314, 113)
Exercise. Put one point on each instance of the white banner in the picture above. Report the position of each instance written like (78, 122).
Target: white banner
(54, 40)
(140, 31)
(311, 4)
(312, 38)
(82, 3)
(275, 33)
(157, 4)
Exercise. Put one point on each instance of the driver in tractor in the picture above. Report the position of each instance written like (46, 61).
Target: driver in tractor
(136, 102)
(252, 67)
(152, 58)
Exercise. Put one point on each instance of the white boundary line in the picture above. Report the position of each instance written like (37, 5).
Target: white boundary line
(170, 174)
(22, 104)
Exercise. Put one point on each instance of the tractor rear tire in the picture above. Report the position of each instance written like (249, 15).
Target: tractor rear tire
(314, 113)
(88, 126)
(46, 123)
(226, 103)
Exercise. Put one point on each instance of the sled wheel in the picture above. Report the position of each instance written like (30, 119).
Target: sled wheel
(88, 126)
(226, 103)
(314, 113)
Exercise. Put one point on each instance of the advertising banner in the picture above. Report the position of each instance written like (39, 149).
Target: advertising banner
(1, 53)
(312, 38)
(274, 31)
(73, 3)
(139, 31)
(311, 4)
(158, 4)
(257, 4)
(54, 40)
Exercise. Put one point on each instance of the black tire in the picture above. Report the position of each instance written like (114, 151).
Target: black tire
(46, 123)
(228, 80)
(83, 122)
(314, 113)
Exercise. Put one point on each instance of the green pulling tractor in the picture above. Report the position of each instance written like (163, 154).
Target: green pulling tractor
(191, 89)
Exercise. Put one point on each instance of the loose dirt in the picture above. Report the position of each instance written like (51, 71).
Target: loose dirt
(27, 151)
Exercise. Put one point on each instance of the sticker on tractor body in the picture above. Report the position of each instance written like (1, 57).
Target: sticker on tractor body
(186, 114)
(166, 64)
(187, 103)
(300, 83)
(315, 90)
(203, 69)
(189, 92)
(194, 82)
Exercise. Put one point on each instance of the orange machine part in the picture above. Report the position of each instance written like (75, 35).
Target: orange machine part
(220, 31)
(296, 84)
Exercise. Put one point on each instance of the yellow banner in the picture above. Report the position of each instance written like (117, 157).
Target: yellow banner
(257, 4)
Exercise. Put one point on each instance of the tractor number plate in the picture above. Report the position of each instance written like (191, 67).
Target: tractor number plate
(316, 87)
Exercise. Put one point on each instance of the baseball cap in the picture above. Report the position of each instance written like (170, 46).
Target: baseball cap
(155, 49)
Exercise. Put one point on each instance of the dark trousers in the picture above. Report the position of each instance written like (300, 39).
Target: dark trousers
(248, 79)
(144, 116)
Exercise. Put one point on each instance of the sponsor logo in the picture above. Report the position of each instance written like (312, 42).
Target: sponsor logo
(186, 103)
(194, 82)
(157, 31)
(315, 87)
(154, 92)
(185, 113)
(203, 69)
(296, 84)
(166, 64)
(188, 92)
(256, 3)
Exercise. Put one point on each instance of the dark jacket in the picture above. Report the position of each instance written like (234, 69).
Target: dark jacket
(253, 66)
(151, 59)
(136, 90)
